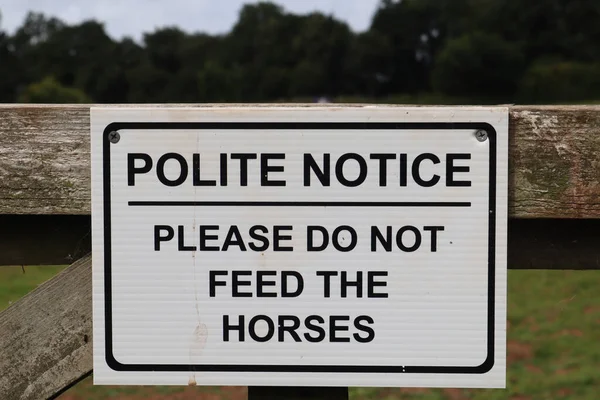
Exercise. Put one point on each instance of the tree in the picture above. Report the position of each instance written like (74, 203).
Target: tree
(163, 48)
(258, 49)
(321, 48)
(49, 90)
(414, 30)
(563, 28)
(215, 83)
(560, 81)
(369, 64)
(9, 69)
(37, 28)
(502, 50)
(478, 64)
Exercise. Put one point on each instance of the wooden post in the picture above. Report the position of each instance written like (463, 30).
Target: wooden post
(297, 393)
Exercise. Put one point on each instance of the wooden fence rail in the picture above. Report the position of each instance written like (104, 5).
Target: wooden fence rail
(46, 337)
(554, 164)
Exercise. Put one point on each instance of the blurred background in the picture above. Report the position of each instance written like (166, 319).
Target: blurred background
(392, 51)
(372, 51)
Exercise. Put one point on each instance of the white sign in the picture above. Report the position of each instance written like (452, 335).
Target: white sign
(300, 246)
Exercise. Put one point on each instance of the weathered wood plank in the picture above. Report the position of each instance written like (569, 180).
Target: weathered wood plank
(44, 160)
(554, 162)
(46, 337)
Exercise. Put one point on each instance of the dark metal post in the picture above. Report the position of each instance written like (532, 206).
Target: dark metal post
(297, 393)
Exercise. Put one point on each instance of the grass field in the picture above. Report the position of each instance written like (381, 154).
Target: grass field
(553, 344)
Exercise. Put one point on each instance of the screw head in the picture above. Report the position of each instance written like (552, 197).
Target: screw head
(114, 137)
(481, 135)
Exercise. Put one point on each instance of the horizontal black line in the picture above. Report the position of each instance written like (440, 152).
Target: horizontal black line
(304, 368)
(302, 125)
(300, 203)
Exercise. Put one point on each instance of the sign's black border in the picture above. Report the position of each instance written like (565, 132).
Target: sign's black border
(478, 369)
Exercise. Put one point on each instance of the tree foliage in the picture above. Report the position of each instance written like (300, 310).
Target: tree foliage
(501, 50)
(50, 91)
(560, 81)
(478, 60)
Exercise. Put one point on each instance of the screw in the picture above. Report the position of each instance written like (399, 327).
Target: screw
(114, 137)
(481, 136)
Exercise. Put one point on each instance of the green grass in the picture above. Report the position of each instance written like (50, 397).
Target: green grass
(553, 344)
(17, 281)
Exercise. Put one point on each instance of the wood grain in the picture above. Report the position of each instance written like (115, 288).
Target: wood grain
(44, 160)
(46, 337)
(554, 160)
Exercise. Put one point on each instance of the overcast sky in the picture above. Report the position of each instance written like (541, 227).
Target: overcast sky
(132, 17)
